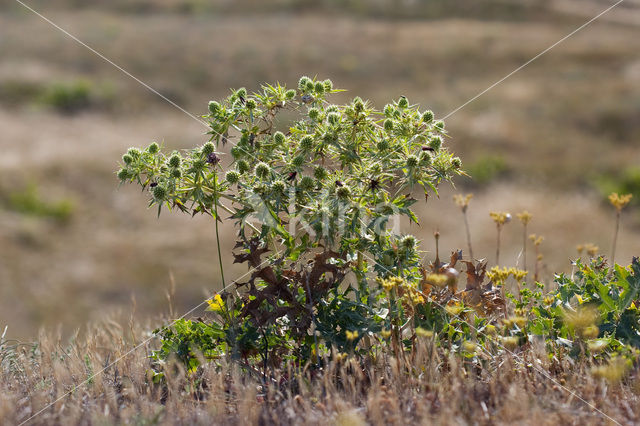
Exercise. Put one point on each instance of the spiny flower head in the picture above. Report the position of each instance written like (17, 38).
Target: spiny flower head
(619, 201)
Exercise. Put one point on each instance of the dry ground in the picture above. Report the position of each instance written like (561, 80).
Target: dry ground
(571, 116)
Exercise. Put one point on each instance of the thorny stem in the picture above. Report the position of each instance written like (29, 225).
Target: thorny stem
(615, 238)
(466, 224)
(217, 218)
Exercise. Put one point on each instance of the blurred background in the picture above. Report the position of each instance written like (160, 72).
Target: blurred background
(554, 138)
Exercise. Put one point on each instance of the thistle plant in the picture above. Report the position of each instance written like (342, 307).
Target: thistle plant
(619, 202)
(462, 201)
(313, 200)
(500, 219)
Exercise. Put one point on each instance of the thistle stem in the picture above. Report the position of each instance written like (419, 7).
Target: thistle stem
(217, 219)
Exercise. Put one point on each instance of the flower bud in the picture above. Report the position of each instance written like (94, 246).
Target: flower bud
(403, 102)
(320, 173)
(389, 110)
(298, 161)
(174, 161)
(278, 186)
(333, 118)
(343, 192)
(290, 94)
(456, 162)
(408, 242)
(306, 183)
(314, 113)
(214, 107)
(262, 170)
(127, 159)
(388, 125)
(176, 173)
(319, 87)
(302, 83)
(251, 104)
(232, 176)
(425, 158)
(439, 125)
(412, 161)
(208, 148)
(435, 143)
(306, 143)
(328, 85)
(134, 153)
(241, 92)
(159, 192)
(427, 117)
(153, 148)
(309, 86)
(358, 104)
(123, 174)
(237, 152)
(278, 138)
(382, 145)
(242, 166)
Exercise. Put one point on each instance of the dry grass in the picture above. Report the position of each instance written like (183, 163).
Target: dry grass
(434, 389)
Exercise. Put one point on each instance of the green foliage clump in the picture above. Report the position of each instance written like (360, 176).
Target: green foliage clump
(29, 201)
(68, 97)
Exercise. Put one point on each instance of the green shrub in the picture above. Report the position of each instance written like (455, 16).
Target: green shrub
(28, 201)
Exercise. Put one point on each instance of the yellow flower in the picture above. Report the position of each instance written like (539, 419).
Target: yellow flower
(216, 304)
(351, 335)
(613, 372)
(453, 309)
(469, 346)
(525, 217)
(536, 239)
(421, 332)
(598, 345)
(437, 280)
(462, 201)
(500, 218)
(592, 249)
(385, 334)
(619, 201)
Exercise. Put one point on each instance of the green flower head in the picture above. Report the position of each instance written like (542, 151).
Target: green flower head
(174, 161)
(243, 166)
(127, 159)
(232, 177)
(153, 148)
(279, 138)
(262, 170)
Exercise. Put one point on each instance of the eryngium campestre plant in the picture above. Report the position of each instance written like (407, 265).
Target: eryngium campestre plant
(319, 194)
